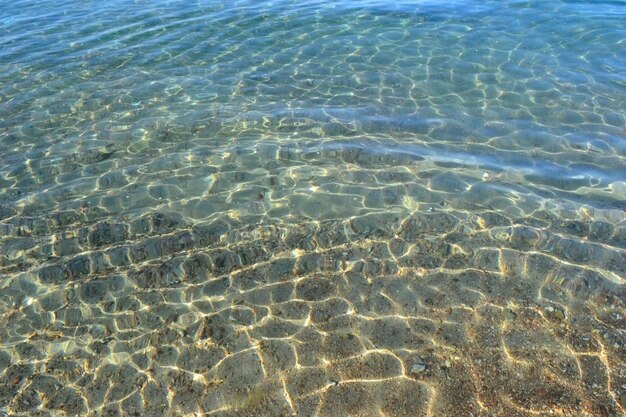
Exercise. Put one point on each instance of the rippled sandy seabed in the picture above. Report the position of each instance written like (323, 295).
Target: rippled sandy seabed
(313, 208)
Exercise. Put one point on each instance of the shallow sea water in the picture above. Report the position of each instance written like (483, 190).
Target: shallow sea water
(313, 208)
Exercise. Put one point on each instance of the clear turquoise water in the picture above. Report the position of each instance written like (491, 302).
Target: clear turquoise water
(313, 208)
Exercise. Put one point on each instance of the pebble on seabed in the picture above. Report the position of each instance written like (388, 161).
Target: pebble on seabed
(418, 368)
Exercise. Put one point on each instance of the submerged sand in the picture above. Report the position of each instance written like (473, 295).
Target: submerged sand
(314, 209)
(429, 312)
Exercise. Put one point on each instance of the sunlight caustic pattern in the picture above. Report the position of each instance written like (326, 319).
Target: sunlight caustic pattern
(331, 209)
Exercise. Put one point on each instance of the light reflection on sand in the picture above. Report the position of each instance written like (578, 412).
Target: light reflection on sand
(368, 211)
(428, 312)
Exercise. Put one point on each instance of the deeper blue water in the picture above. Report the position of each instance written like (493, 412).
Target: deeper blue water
(329, 208)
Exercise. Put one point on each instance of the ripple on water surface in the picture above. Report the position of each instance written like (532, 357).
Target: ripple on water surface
(322, 209)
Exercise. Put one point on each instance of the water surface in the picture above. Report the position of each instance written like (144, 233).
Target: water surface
(313, 208)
